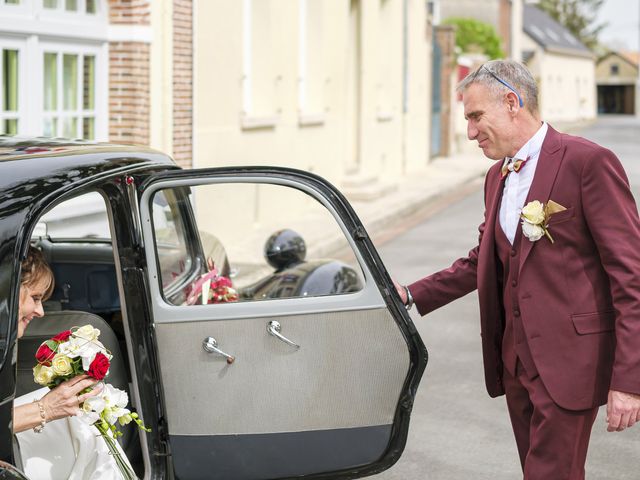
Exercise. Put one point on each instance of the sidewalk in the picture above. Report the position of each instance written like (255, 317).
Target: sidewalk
(418, 195)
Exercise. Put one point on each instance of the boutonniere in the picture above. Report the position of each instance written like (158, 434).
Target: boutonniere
(535, 219)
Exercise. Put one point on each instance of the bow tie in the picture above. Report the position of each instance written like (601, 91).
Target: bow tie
(514, 165)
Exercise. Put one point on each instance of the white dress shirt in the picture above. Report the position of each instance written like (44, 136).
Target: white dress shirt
(517, 184)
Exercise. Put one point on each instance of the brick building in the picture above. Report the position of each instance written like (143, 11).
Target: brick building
(86, 69)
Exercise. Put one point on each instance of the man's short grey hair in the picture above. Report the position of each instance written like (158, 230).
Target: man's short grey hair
(512, 72)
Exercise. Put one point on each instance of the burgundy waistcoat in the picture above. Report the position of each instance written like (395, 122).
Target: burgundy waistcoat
(514, 342)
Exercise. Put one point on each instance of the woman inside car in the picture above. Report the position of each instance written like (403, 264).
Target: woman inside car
(53, 442)
(36, 285)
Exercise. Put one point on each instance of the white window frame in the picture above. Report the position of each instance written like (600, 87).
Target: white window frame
(35, 29)
(61, 8)
(21, 113)
(100, 112)
(25, 6)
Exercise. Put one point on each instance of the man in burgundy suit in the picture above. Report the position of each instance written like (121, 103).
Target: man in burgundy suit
(558, 281)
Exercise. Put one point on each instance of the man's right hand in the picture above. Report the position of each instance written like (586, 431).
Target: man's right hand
(401, 291)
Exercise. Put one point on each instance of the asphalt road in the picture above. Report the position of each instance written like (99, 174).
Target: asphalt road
(457, 431)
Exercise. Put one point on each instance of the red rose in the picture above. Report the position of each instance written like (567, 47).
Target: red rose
(62, 336)
(44, 355)
(99, 367)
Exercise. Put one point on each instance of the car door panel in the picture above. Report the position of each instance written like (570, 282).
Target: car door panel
(307, 395)
(340, 351)
(339, 404)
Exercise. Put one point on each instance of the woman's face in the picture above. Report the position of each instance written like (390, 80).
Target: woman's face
(30, 303)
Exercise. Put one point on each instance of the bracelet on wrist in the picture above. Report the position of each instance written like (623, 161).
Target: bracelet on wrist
(409, 303)
(43, 417)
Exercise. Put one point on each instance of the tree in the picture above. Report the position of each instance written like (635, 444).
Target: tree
(475, 36)
(578, 16)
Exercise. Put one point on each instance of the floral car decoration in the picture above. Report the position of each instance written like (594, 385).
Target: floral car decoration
(211, 287)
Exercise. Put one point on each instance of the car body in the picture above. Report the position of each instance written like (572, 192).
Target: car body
(318, 381)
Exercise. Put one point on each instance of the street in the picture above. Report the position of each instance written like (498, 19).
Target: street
(457, 431)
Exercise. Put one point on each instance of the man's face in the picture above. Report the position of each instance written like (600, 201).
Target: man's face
(489, 121)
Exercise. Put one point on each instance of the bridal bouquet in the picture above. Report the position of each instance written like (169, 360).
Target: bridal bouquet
(79, 352)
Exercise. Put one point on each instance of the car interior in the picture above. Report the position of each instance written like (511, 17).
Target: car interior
(85, 292)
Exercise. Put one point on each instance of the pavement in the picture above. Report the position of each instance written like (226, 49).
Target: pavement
(421, 194)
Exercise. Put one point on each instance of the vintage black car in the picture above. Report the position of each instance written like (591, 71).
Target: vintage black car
(307, 365)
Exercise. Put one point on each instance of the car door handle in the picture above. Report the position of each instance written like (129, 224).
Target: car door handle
(210, 345)
(274, 328)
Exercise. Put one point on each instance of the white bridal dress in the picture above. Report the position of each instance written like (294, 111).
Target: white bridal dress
(65, 449)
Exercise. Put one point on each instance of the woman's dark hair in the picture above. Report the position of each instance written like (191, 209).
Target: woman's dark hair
(34, 269)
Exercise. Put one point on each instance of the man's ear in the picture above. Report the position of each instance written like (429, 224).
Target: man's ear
(512, 102)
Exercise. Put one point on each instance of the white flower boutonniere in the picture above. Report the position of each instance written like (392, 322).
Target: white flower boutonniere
(535, 219)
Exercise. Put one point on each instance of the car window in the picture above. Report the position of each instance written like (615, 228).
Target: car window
(84, 216)
(238, 242)
(75, 238)
(170, 209)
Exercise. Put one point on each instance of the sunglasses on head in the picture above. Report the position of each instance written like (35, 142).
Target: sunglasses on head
(503, 82)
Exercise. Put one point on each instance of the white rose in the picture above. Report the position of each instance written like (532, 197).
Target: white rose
(61, 365)
(43, 375)
(87, 332)
(533, 212)
(532, 232)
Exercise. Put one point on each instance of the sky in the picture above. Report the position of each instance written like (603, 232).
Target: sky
(623, 24)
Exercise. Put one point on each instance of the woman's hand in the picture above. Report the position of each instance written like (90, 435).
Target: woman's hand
(64, 400)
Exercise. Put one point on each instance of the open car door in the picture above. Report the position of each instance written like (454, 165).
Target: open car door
(283, 348)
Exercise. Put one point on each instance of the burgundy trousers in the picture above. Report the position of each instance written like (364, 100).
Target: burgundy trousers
(552, 442)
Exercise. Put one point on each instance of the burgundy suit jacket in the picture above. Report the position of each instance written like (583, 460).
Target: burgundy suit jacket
(579, 298)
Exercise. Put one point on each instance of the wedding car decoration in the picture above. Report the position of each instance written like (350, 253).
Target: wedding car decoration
(79, 352)
(211, 287)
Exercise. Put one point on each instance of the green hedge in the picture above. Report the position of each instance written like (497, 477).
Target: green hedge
(473, 36)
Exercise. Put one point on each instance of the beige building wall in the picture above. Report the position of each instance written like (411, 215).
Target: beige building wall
(569, 92)
(627, 73)
(566, 82)
(311, 84)
(487, 11)
(161, 74)
(417, 111)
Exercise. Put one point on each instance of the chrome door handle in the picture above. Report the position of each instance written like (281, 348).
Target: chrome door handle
(274, 328)
(210, 345)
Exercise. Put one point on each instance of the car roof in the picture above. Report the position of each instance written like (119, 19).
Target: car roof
(50, 163)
